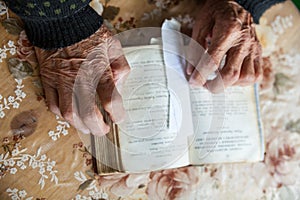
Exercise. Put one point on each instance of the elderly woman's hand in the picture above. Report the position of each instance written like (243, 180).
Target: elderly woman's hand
(72, 77)
(224, 28)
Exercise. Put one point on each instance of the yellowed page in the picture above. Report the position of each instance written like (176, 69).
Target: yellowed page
(227, 126)
(150, 136)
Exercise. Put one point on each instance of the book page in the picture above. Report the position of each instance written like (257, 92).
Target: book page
(150, 137)
(227, 127)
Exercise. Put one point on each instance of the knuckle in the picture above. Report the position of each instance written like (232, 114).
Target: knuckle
(67, 115)
(243, 49)
(236, 25)
(89, 118)
(243, 52)
(208, 63)
(231, 75)
(248, 78)
(258, 77)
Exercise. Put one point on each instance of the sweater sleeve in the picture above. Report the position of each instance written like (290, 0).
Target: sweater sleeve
(257, 7)
(51, 24)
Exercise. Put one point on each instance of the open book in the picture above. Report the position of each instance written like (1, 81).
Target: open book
(170, 125)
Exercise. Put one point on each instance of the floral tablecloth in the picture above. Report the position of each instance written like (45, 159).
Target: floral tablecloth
(42, 157)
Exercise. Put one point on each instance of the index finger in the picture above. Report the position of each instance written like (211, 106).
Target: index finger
(85, 89)
(225, 34)
(88, 111)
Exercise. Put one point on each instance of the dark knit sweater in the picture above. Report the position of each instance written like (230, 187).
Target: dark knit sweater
(53, 24)
(59, 23)
(257, 7)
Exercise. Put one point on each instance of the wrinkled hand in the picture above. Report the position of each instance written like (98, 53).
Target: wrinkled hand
(72, 77)
(223, 28)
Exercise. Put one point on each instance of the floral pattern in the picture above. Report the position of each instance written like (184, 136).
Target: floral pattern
(160, 7)
(25, 50)
(16, 194)
(123, 185)
(85, 153)
(94, 191)
(173, 184)
(282, 161)
(15, 159)
(61, 129)
(12, 101)
(280, 24)
(277, 177)
(10, 48)
(123, 25)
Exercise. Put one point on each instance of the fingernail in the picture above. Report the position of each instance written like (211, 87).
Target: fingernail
(189, 70)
